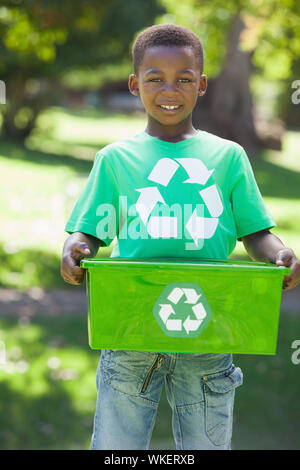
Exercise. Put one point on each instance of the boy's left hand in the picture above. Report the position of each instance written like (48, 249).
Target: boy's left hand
(286, 257)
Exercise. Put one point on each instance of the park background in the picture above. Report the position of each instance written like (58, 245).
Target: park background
(63, 69)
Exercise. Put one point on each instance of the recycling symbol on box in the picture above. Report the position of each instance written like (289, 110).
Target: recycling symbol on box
(182, 310)
(166, 227)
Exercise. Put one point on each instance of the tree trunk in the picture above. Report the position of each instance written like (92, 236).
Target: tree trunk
(15, 89)
(227, 108)
(18, 98)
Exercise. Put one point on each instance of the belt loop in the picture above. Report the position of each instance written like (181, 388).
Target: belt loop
(173, 360)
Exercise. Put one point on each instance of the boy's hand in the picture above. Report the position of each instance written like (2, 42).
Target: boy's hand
(70, 263)
(267, 247)
(77, 246)
(286, 257)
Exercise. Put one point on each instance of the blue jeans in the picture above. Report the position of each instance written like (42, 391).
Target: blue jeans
(200, 389)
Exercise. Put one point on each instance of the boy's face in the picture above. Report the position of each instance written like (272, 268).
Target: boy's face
(168, 76)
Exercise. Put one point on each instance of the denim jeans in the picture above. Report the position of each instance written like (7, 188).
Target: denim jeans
(200, 389)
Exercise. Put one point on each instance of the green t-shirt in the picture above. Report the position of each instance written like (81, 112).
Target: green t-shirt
(189, 199)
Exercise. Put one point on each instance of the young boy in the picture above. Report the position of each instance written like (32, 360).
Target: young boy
(173, 157)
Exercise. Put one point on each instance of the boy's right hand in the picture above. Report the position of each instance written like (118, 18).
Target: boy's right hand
(70, 263)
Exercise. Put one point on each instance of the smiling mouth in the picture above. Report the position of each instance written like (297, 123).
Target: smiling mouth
(167, 107)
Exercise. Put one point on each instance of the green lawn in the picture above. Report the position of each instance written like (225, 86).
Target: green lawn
(47, 384)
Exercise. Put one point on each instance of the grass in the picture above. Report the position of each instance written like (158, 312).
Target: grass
(48, 391)
(81, 134)
(47, 384)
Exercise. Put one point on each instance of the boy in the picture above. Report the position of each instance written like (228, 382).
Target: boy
(168, 77)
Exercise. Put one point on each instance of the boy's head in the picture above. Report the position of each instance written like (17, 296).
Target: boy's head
(168, 78)
(165, 35)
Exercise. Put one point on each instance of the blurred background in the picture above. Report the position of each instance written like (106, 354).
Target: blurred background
(64, 68)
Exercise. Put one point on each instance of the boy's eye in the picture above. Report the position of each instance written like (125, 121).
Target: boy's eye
(181, 80)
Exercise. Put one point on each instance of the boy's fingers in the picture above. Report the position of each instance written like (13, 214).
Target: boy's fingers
(70, 265)
(287, 258)
(76, 254)
(286, 282)
(70, 270)
(76, 271)
(284, 257)
(81, 249)
(75, 275)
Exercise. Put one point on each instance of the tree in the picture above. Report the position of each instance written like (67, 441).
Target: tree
(43, 39)
(240, 39)
(229, 101)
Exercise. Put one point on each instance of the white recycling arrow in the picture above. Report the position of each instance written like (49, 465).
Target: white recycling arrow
(174, 325)
(201, 227)
(212, 200)
(171, 324)
(163, 171)
(199, 311)
(191, 295)
(193, 325)
(165, 311)
(175, 295)
(195, 168)
(147, 200)
(162, 227)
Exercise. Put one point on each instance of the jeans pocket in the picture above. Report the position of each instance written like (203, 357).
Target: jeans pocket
(219, 390)
(125, 370)
(102, 364)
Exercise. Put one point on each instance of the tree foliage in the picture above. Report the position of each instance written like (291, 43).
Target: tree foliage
(245, 44)
(43, 39)
(271, 31)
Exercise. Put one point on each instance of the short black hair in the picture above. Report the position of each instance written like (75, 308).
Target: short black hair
(165, 35)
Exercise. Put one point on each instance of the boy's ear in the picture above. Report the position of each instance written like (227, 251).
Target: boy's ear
(133, 84)
(203, 85)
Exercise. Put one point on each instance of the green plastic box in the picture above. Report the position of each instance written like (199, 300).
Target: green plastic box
(180, 305)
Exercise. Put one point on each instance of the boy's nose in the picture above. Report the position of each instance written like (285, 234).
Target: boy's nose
(169, 88)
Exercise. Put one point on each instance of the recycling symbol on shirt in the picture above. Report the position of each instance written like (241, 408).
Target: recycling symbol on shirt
(182, 310)
(166, 226)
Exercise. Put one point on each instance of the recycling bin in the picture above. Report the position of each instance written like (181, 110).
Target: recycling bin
(183, 305)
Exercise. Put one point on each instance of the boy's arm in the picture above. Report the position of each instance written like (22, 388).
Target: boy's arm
(77, 246)
(266, 247)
